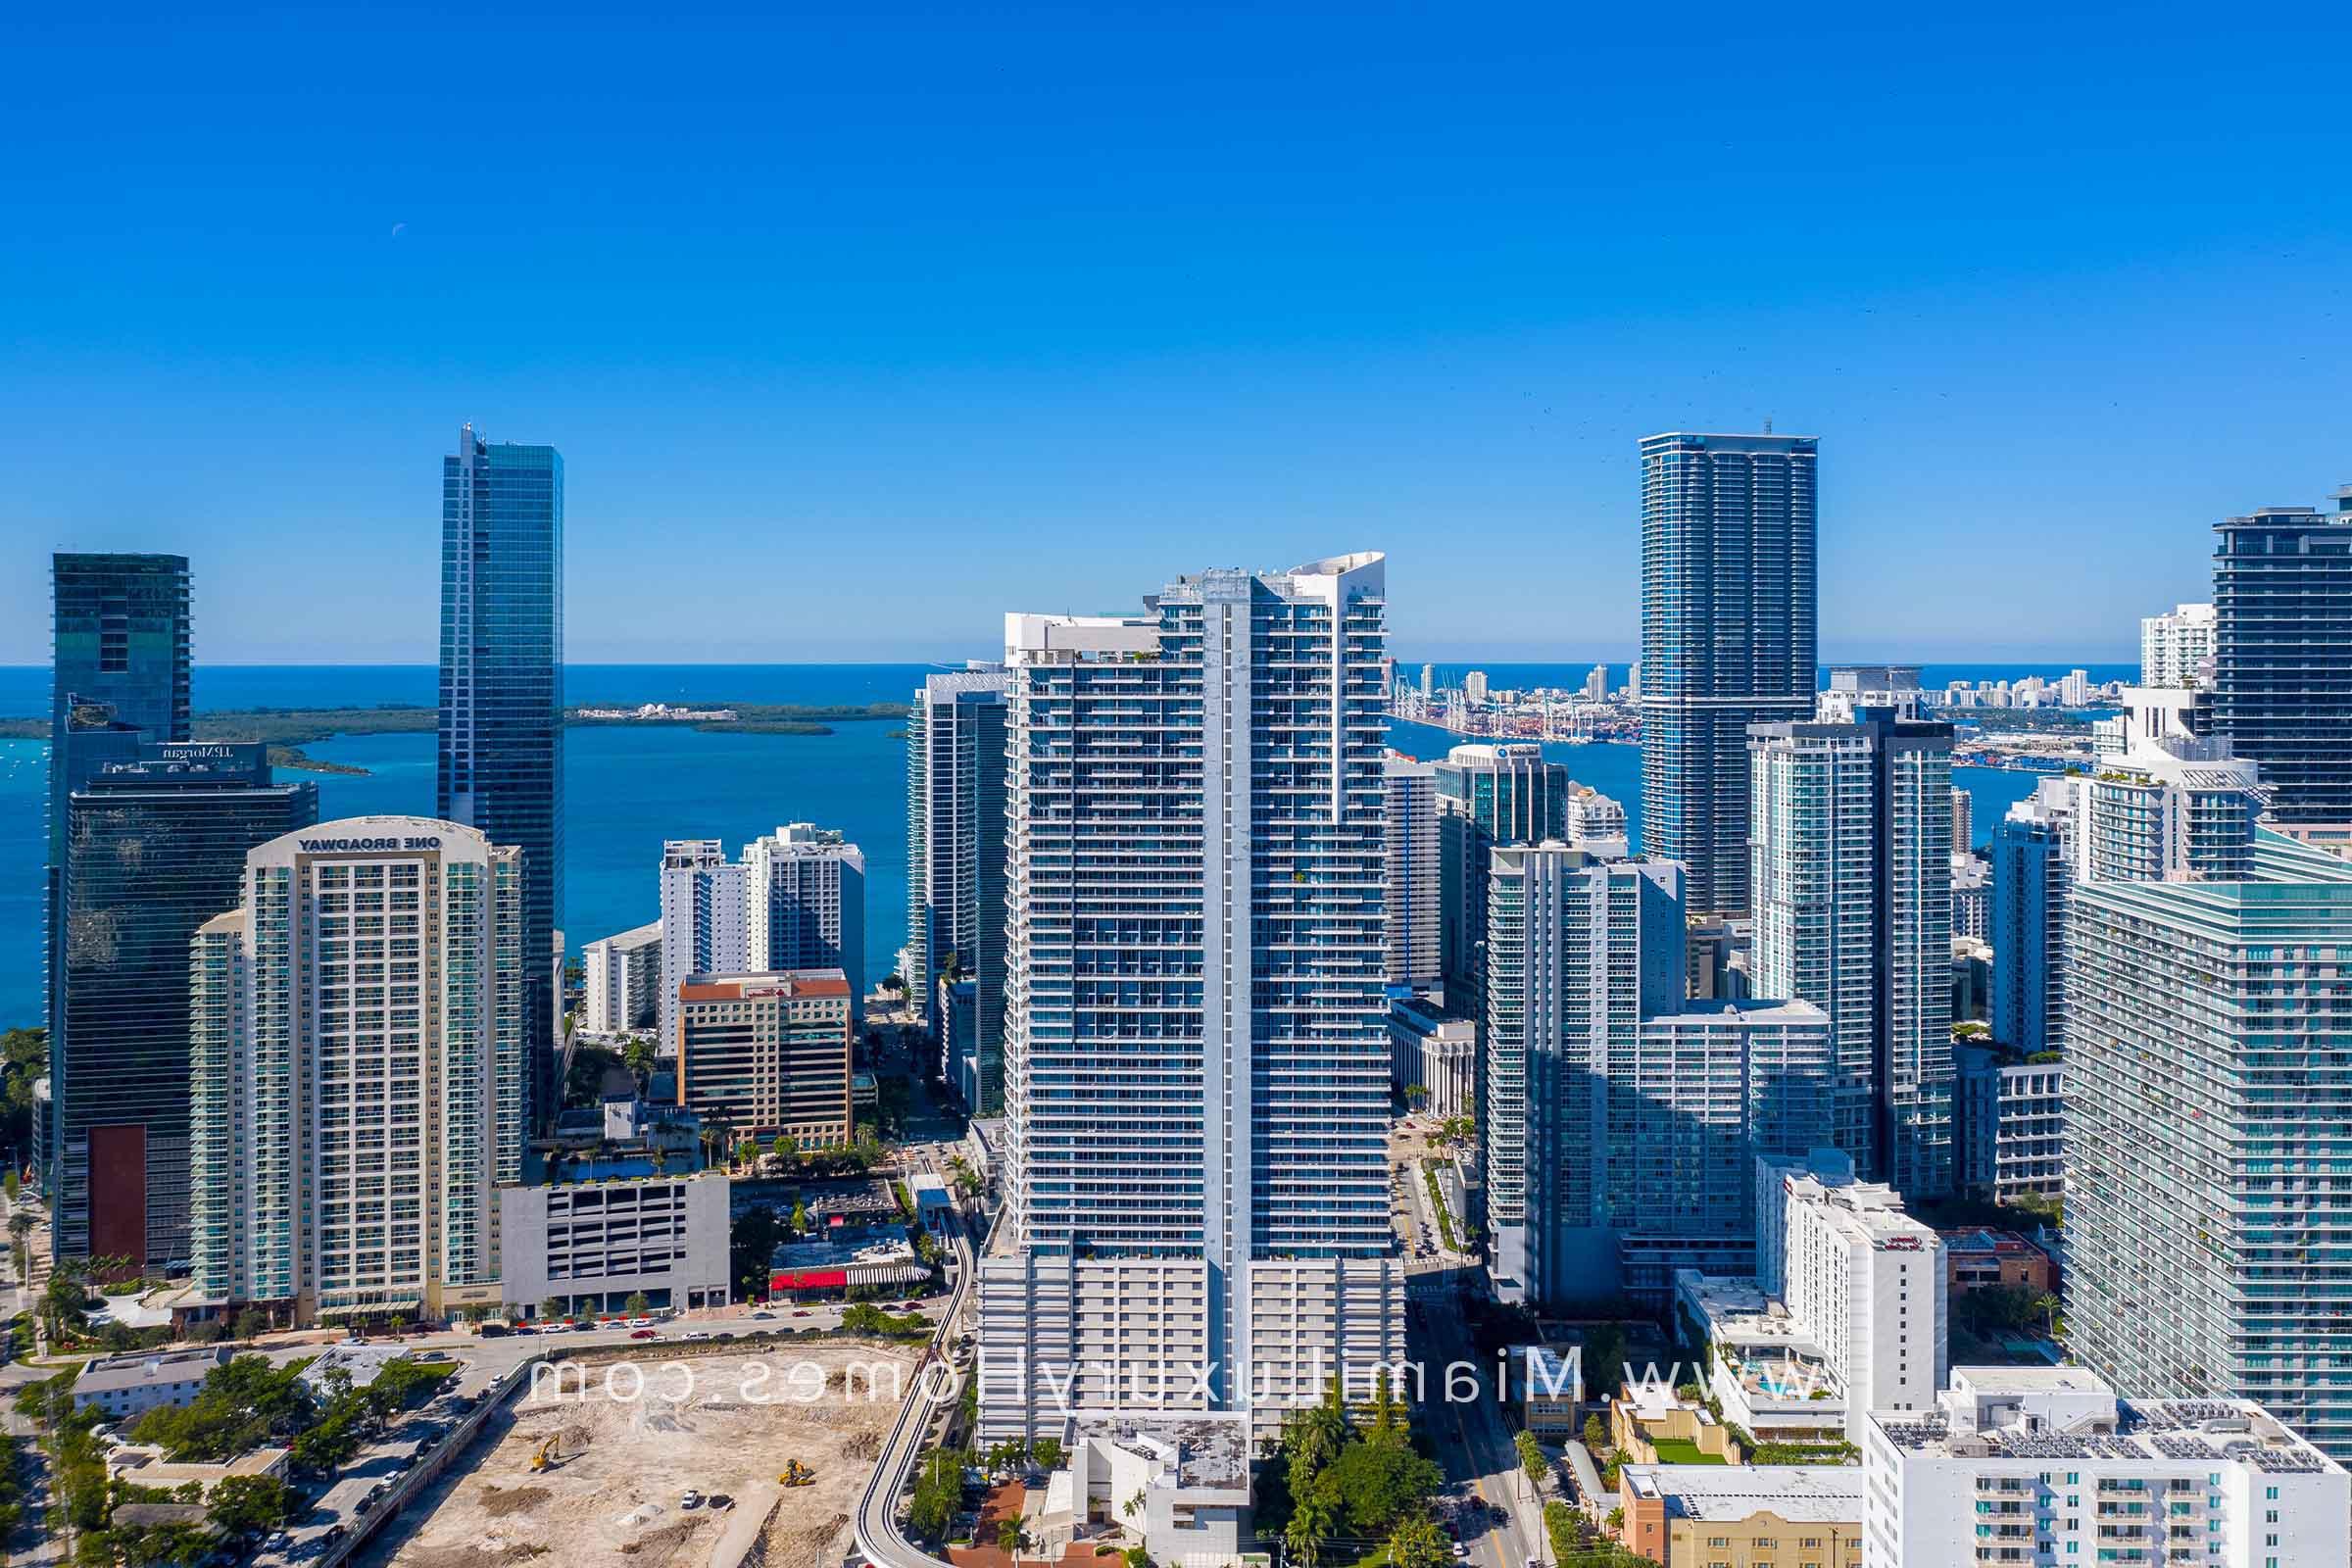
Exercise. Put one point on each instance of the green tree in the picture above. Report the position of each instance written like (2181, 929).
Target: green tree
(251, 1505)
(786, 1148)
(752, 1247)
(746, 1152)
(1532, 1462)
(1011, 1537)
(636, 1305)
(1378, 1484)
(800, 1217)
(1046, 1452)
(1417, 1542)
(638, 1056)
(1313, 1513)
(1596, 1436)
(555, 1306)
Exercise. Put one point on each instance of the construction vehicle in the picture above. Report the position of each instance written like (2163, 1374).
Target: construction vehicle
(796, 1474)
(550, 1454)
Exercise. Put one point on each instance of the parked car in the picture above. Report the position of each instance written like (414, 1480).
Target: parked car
(690, 1499)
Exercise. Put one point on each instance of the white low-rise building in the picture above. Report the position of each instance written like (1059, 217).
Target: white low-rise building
(1177, 1485)
(125, 1386)
(594, 1245)
(1435, 1052)
(2045, 1465)
(1768, 1371)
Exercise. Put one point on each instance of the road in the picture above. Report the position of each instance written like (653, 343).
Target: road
(1473, 1443)
(879, 1537)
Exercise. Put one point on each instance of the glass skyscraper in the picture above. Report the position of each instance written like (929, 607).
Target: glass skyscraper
(956, 871)
(2209, 1137)
(1195, 1013)
(1853, 913)
(2282, 655)
(120, 678)
(502, 689)
(1727, 639)
(119, 668)
(2033, 881)
(1486, 795)
(156, 846)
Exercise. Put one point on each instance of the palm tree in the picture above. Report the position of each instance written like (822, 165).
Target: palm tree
(1311, 1519)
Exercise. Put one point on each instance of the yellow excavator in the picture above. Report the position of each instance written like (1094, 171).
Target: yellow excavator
(796, 1474)
(550, 1454)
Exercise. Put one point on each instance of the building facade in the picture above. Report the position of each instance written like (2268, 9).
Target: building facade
(591, 1245)
(501, 759)
(1486, 795)
(1741, 1516)
(1414, 875)
(956, 868)
(118, 679)
(2176, 648)
(2282, 619)
(703, 921)
(1866, 1279)
(2208, 1121)
(2045, 1465)
(1197, 1039)
(1436, 1053)
(623, 981)
(156, 846)
(768, 1053)
(1621, 1120)
(1728, 638)
(2008, 1123)
(1578, 950)
(358, 1062)
(1853, 913)
(804, 904)
(2033, 878)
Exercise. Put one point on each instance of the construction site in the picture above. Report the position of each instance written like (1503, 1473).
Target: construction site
(740, 1469)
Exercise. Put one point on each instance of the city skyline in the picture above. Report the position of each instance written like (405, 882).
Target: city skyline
(1391, 280)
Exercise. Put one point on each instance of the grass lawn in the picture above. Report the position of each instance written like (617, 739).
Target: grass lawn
(1675, 1450)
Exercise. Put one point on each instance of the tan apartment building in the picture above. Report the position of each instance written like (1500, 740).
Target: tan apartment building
(1742, 1516)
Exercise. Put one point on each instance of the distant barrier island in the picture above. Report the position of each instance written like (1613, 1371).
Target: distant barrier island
(287, 730)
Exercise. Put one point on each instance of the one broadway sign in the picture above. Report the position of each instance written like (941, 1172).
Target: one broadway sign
(365, 846)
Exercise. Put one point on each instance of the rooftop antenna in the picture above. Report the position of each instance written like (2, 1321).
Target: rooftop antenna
(1768, 424)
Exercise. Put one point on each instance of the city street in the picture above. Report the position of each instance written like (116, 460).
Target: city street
(1473, 1443)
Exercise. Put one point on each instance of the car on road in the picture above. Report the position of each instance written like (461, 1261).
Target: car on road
(803, 1312)
(763, 1318)
(643, 1334)
(641, 1322)
(698, 1334)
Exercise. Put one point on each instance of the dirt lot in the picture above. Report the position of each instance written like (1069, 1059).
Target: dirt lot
(611, 1499)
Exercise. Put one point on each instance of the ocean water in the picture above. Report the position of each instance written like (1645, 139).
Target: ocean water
(627, 789)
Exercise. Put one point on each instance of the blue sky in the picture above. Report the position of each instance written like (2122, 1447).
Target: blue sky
(860, 329)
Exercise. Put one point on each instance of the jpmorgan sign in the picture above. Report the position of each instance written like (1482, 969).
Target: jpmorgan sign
(365, 846)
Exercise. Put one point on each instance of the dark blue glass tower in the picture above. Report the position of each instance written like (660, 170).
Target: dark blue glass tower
(119, 662)
(156, 846)
(2282, 655)
(501, 688)
(1728, 603)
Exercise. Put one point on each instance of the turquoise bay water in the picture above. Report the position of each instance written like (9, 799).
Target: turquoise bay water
(629, 788)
